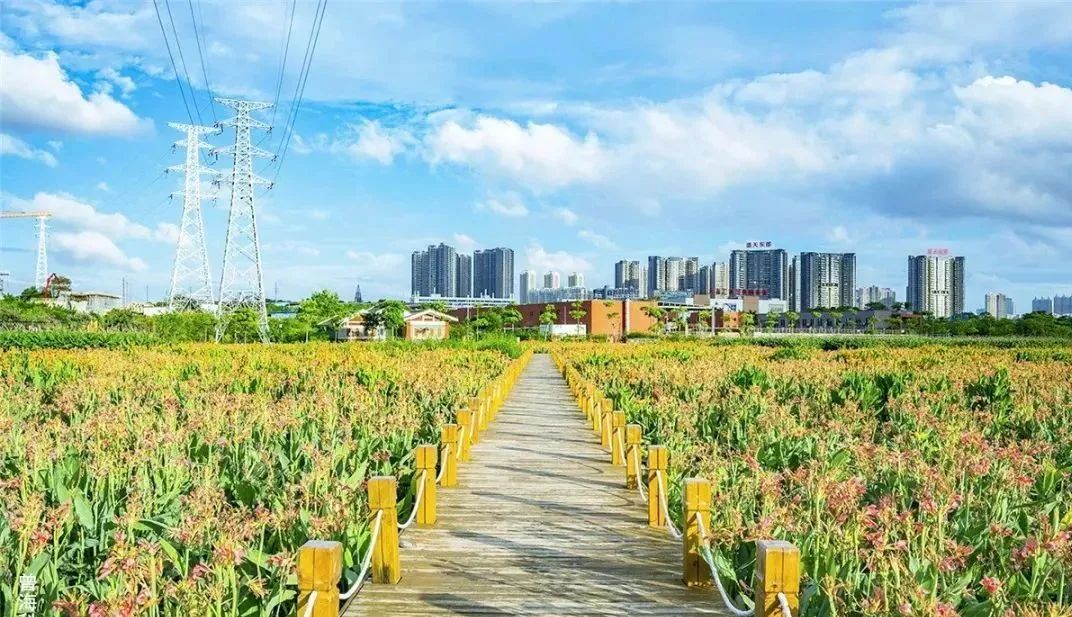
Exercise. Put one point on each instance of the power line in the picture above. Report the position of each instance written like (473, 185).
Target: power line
(201, 55)
(174, 68)
(283, 61)
(178, 45)
(303, 79)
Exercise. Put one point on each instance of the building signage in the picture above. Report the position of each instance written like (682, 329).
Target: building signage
(764, 244)
(741, 291)
(937, 252)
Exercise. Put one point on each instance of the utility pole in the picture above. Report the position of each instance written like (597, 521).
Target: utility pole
(242, 281)
(191, 283)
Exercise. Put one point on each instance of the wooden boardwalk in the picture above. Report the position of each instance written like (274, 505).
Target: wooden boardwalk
(540, 523)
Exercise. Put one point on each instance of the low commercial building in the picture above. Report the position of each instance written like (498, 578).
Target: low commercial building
(423, 325)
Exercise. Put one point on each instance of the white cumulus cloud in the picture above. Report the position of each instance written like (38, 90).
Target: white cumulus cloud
(595, 239)
(37, 93)
(93, 246)
(13, 146)
(507, 204)
(372, 141)
(540, 259)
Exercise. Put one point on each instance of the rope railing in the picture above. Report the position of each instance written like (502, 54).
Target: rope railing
(416, 503)
(710, 561)
(349, 593)
(320, 562)
(777, 573)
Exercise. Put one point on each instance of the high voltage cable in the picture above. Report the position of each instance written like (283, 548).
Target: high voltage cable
(283, 62)
(201, 55)
(178, 45)
(310, 52)
(174, 68)
(292, 113)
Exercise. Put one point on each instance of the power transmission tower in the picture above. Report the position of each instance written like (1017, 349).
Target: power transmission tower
(191, 283)
(242, 282)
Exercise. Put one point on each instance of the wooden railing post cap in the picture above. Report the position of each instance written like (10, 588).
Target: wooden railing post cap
(777, 566)
(319, 565)
(426, 455)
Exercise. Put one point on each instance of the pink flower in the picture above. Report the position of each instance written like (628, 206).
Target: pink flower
(904, 608)
(990, 584)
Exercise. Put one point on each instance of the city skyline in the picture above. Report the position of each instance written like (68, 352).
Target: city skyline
(664, 139)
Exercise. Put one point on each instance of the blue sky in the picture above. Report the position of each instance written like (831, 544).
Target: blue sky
(576, 134)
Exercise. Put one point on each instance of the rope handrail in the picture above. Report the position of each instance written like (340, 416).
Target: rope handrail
(443, 467)
(458, 453)
(416, 502)
(784, 603)
(310, 603)
(635, 450)
(705, 550)
(663, 498)
(368, 560)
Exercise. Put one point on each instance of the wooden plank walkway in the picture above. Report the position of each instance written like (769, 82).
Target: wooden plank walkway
(540, 523)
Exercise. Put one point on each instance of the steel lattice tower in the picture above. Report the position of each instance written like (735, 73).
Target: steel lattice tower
(242, 281)
(42, 254)
(191, 282)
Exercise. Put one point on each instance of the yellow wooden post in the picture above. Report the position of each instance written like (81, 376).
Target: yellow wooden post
(696, 506)
(777, 571)
(632, 455)
(596, 418)
(658, 459)
(426, 456)
(465, 420)
(477, 408)
(606, 423)
(386, 564)
(319, 570)
(617, 442)
(450, 439)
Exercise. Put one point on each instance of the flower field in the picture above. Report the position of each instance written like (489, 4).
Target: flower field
(182, 480)
(925, 481)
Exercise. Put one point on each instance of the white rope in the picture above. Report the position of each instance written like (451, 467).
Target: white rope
(416, 502)
(706, 552)
(621, 443)
(636, 470)
(310, 603)
(663, 497)
(461, 446)
(368, 559)
(443, 469)
(784, 602)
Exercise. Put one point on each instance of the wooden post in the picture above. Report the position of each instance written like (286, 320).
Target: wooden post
(426, 456)
(596, 416)
(658, 459)
(465, 419)
(606, 424)
(319, 570)
(383, 494)
(696, 506)
(777, 571)
(632, 455)
(617, 442)
(450, 438)
(477, 408)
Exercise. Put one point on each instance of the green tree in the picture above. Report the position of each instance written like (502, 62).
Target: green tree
(748, 324)
(835, 316)
(704, 320)
(656, 313)
(322, 305)
(547, 317)
(792, 318)
(577, 311)
(511, 316)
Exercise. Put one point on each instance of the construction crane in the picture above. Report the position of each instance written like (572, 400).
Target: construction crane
(42, 255)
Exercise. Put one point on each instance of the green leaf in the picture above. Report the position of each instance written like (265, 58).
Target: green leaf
(39, 562)
(83, 510)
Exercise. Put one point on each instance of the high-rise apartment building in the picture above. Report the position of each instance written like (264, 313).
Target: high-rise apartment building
(552, 280)
(703, 280)
(434, 271)
(656, 275)
(671, 274)
(1042, 305)
(763, 273)
(575, 279)
(528, 286)
(1062, 305)
(630, 275)
(996, 305)
(827, 280)
(872, 294)
(689, 281)
(464, 285)
(936, 284)
(794, 283)
(1010, 310)
(720, 278)
(493, 273)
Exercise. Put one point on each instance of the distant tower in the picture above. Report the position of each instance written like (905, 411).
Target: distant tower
(191, 282)
(357, 294)
(242, 281)
(42, 254)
